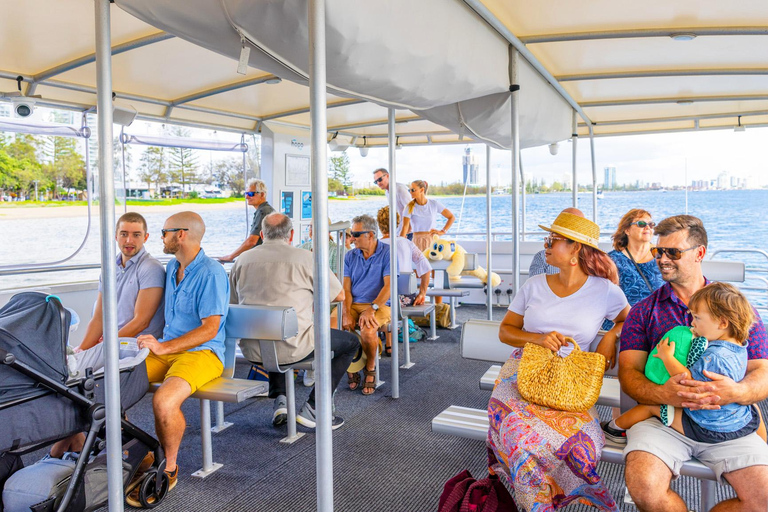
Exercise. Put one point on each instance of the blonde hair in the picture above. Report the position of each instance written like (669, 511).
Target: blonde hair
(382, 217)
(724, 301)
(421, 184)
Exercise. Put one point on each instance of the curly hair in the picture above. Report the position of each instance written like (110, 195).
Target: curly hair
(620, 238)
(724, 301)
(382, 217)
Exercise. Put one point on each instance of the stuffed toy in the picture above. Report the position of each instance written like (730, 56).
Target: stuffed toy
(442, 249)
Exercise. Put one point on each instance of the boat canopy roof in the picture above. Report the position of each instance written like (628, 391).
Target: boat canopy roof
(442, 64)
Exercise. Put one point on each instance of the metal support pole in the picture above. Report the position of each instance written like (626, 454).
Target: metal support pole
(125, 182)
(594, 173)
(574, 180)
(245, 184)
(515, 120)
(708, 495)
(523, 195)
(221, 423)
(393, 234)
(108, 265)
(290, 394)
(318, 129)
(205, 438)
(488, 235)
(406, 346)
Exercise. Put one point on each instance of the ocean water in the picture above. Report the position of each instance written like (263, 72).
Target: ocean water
(734, 219)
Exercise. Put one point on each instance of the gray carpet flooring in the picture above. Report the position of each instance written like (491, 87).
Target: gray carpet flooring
(385, 456)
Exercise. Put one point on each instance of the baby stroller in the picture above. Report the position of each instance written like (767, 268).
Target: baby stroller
(40, 404)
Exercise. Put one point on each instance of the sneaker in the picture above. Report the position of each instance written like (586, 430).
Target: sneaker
(306, 418)
(309, 378)
(133, 497)
(613, 434)
(280, 411)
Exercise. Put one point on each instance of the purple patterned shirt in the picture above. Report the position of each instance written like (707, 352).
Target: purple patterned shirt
(662, 310)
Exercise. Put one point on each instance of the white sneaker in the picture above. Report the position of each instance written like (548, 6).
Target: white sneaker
(309, 378)
(307, 418)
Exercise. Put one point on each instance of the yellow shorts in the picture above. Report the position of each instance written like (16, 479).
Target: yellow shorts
(382, 315)
(197, 368)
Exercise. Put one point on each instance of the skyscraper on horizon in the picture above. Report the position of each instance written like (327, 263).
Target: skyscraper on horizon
(610, 178)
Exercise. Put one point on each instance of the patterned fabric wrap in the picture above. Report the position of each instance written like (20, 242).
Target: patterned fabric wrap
(548, 456)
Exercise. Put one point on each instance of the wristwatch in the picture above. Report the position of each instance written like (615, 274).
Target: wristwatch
(375, 307)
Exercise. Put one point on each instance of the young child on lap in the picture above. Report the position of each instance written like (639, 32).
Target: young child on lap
(722, 317)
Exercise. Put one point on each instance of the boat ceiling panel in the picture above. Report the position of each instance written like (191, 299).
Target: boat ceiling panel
(600, 115)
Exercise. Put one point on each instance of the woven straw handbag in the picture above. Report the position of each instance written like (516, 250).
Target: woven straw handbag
(570, 383)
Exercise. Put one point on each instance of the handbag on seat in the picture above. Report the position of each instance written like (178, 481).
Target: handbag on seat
(571, 383)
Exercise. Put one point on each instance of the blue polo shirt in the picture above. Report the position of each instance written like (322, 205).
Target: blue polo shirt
(203, 292)
(367, 275)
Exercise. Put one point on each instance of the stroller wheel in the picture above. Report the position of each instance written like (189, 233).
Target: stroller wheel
(150, 495)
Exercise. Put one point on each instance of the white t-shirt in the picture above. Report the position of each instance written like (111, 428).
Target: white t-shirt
(409, 257)
(424, 217)
(578, 315)
(402, 198)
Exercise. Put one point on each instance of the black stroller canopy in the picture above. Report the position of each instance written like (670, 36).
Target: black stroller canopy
(34, 327)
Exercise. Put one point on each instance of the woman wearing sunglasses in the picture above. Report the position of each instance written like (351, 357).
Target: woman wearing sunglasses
(421, 215)
(638, 273)
(528, 441)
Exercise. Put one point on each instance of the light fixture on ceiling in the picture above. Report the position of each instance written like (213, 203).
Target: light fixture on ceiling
(274, 80)
(683, 36)
(339, 144)
(123, 116)
(333, 143)
(397, 143)
(554, 148)
(739, 127)
(365, 148)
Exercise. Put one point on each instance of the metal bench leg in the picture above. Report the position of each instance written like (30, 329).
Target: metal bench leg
(205, 436)
(379, 382)
(453, 313)
(708, 495)
(433, 326)
(290, 396)
(220, 423)
(406, 346)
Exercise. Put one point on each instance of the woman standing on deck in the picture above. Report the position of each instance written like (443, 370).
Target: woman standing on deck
(421, 214)
(638, 273)
(548, 456)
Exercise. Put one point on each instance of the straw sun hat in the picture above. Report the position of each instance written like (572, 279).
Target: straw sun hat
(575, 228)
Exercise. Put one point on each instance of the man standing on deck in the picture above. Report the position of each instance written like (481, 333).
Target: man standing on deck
(140, 283)
(191, 351)
(278, 274)
(381, 178)
(655, 453)
(256, 196)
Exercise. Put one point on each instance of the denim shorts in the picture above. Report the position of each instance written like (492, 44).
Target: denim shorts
(694, 431)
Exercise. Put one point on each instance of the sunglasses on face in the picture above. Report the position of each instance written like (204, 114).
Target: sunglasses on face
(412, 189)
(356, 234)
(172, 230)
(671, 252)
(551, 239)
(643, 224)
(377, 181)
(251, 194)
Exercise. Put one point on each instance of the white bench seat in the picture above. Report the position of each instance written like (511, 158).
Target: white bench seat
(226, 390)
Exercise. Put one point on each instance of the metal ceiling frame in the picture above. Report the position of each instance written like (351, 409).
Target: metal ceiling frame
(683, 100)
(720, 115)
(661, 73)
(643, 33)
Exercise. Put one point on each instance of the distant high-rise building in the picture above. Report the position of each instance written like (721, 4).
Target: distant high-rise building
(470, 166)
(610, 178)
(723, 180)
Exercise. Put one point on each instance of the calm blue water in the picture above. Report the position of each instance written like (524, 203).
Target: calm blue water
(734, 219)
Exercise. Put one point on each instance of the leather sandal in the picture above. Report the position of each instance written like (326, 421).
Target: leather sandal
(369, 385)
(354, 380)
(388, 351)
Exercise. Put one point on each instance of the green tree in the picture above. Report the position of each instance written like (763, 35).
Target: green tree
(153, 167)
(339, 170)
(182, 162)
(229, 174)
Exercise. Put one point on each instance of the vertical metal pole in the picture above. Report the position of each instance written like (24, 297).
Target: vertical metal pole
(318, 130)
(515, 119)
(108, 265)
(488, 235)
(393, 234)
(522, 186)
(594, 173)
(686, 186)
(122, 159)
(245, 184)
(574, 180)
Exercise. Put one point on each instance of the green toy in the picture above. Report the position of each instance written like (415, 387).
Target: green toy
(687, 350)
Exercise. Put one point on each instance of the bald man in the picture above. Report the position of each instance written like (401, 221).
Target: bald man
(191, 351)
(539, 263)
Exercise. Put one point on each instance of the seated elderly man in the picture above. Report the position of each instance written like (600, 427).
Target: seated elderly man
(278, 274)
(366, 294)
(191, 351)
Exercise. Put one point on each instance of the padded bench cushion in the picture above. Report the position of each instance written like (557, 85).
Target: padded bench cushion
(422, 310)
(225, 390)
(447, 292)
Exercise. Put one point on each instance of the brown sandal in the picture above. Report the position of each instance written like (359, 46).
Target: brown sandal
(369, 385)
(354, 380)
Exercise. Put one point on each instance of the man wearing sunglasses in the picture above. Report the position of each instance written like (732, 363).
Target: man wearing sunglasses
(655, 453)
(381, 179)
(366, 295)
(256, 196)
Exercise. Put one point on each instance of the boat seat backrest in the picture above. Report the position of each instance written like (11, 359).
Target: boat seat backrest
(719, 270)
(266, 324)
